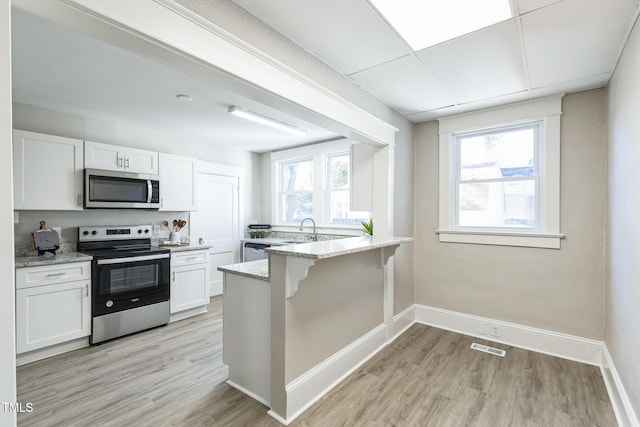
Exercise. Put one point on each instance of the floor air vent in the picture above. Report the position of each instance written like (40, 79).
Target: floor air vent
(487, 349)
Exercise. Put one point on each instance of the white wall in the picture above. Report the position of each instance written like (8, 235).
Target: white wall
(559, 290)
(7, 284)
(623, 225)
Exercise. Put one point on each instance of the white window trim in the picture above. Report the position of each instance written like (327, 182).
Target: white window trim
(548, 110)
(313, 150)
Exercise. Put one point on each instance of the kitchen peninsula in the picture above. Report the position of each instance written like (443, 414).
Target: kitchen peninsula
(298, 323)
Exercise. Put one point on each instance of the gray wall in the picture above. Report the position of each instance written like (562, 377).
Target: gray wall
(623, 229)
(230, 17)
(111, 131)
(559, 290)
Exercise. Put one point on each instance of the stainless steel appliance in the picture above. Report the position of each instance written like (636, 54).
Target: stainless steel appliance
(254, 251)
(122, 190)
(130, 280)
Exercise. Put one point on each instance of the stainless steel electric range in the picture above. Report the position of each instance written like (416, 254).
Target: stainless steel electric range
(129, 280)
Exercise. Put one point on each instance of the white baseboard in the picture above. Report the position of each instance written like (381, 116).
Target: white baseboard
(625, 415)
(54, 350)
(187, 313)
(249, 393)
(403, 321)
(543, 341)
(308, 388)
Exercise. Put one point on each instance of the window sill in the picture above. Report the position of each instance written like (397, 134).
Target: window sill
(530, 240)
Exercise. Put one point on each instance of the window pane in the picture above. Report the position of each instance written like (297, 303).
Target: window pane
(339, 209)
(498, 204)
(497, 155)
(296, 175)
(296, 206)
(338, 172)
(296, 190)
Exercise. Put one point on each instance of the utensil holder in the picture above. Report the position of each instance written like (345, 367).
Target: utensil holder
(174, 237)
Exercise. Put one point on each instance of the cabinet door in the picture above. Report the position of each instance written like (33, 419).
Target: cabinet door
(52, 314)
(103, 156)
(141, 161)
(47, 172)
(177, 186)
(189, 287)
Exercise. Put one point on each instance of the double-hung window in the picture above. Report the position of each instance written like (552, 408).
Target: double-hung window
(314, 181)
(499, 176)
(295, 195)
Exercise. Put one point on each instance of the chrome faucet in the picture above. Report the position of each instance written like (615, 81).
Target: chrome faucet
(315, 235)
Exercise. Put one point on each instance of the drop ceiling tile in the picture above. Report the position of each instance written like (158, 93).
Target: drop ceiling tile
(405, 84)
(484, 64)
(350, 36)
(575, 39)
(526, 6)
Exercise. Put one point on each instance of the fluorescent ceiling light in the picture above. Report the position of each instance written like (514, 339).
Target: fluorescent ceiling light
(258, 118)
(424, 23)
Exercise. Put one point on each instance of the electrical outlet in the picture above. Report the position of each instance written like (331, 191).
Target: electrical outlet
(495, 331)
(484, 328)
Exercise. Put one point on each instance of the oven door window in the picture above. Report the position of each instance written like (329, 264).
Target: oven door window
(131, 277)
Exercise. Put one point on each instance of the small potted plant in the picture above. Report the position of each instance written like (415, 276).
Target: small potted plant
(368, 226)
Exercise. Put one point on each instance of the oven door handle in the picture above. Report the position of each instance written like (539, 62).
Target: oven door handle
(132, 259)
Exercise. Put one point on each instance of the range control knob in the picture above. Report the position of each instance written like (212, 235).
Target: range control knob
(94, 232)
(146, 231)
(85, 233)
(139, 231)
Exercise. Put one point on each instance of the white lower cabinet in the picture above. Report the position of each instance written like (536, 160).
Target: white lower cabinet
(53, 305)
(189, 281)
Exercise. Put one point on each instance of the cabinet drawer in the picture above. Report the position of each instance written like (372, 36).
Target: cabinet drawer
(189, 257)
(30, 277)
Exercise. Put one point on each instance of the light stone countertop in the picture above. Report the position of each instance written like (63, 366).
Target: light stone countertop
(333, 248)
(184, 248)
(255, 269)
(50, 259)
(269, 241)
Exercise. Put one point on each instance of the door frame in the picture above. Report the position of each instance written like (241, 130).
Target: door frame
(233, 171)
(224, 170)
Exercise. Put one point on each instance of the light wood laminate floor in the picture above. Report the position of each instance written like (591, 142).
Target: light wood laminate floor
(173, 376)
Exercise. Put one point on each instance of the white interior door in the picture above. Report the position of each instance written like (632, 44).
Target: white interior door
(217, 223)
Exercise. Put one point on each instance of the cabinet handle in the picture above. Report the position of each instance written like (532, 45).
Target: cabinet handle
(119, 162)
(126, 163)
(86, 290)
(192, 258)
(174, 275)
(56, 274)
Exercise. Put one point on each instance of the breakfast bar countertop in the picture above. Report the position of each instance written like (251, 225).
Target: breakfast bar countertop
(254, 269)
(337, 247)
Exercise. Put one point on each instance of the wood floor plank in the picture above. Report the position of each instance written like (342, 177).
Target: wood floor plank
(174, 376)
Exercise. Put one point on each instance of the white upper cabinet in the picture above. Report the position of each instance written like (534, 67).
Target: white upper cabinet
(47, 172)
(117, 158)
(177, 183)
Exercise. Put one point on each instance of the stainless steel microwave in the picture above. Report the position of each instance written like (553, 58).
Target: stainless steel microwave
(121, 190)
